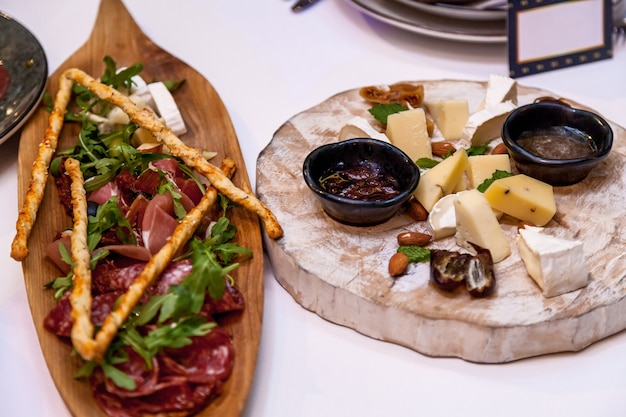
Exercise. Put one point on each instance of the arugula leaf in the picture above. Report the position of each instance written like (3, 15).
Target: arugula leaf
(169, 187)
(382, 111)
(495, 176)
(109, 216)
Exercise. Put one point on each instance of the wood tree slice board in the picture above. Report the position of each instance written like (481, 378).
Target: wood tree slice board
(209, 126)
(340, 272)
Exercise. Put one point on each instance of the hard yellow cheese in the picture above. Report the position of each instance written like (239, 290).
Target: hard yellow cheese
(523, 197)
(482, 167)
(441, 180)
(407, 130)
(450, 116)
(476, 223)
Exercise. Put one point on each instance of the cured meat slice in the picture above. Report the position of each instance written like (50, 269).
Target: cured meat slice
(180, 381)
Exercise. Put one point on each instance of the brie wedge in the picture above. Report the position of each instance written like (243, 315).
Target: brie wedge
(359, 127)
(442, 220)
(500, 89)
(556, 265)
(486, 124)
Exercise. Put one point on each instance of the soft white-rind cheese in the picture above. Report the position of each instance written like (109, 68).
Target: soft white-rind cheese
(359, 127)
(499, 89)
(486, 124)
(557, 265)
(441, 220)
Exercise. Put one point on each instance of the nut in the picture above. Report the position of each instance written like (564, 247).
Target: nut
(500, 149)
(398, 264)
(413, 239)
(441, 149)
(415, 209)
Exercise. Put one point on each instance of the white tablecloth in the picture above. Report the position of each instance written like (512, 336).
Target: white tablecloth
(268, 64)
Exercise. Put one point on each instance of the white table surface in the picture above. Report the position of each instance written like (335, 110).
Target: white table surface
(268, 64)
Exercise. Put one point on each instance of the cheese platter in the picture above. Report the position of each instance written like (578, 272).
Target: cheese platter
(340, 272)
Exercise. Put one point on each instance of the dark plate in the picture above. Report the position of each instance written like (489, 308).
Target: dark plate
(24, 60)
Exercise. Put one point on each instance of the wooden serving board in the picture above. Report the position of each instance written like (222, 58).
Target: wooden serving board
(340, 272)
(209, 126)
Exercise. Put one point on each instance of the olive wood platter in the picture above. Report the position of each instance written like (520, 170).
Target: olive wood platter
(208, 126)
(340, 272)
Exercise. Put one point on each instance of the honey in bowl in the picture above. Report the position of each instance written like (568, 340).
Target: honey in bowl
(558, 142)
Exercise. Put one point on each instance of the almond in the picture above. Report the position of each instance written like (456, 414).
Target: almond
(413, 239)
(500, 149)
(415, 209)
(441, 149)
(398, 264)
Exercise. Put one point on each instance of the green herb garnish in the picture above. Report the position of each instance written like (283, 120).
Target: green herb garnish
(415, 253)
(495, 176)
(382, 111)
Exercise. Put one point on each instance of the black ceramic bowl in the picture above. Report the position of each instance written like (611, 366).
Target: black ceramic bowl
(559, 167)
(359, 152)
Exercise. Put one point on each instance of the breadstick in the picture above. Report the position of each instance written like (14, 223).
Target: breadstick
(80, 297)
(39, 176)
(191, 156)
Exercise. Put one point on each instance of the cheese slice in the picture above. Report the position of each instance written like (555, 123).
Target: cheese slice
(450, 116)
(476, 223)
(523, 197)
(556, 265)
(486, 124)
(441, 179)
(482, 167)
(407, 130)
(359, 127)
(500, 89)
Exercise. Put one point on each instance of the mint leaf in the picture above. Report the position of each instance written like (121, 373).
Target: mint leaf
(381, 111)
(415, 253)
(477, 150)
(495, 176)
(426, 163)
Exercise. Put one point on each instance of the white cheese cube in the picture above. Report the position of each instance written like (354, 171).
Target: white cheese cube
(556, 265)
(407, 130)
(476, 223)
(450, 116)
(441, 179)
(482, 167)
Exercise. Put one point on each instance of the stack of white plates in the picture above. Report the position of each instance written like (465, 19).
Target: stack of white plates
(460, 22)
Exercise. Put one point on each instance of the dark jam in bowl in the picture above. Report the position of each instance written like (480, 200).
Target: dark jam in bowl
(367, 181)
(558, 142)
